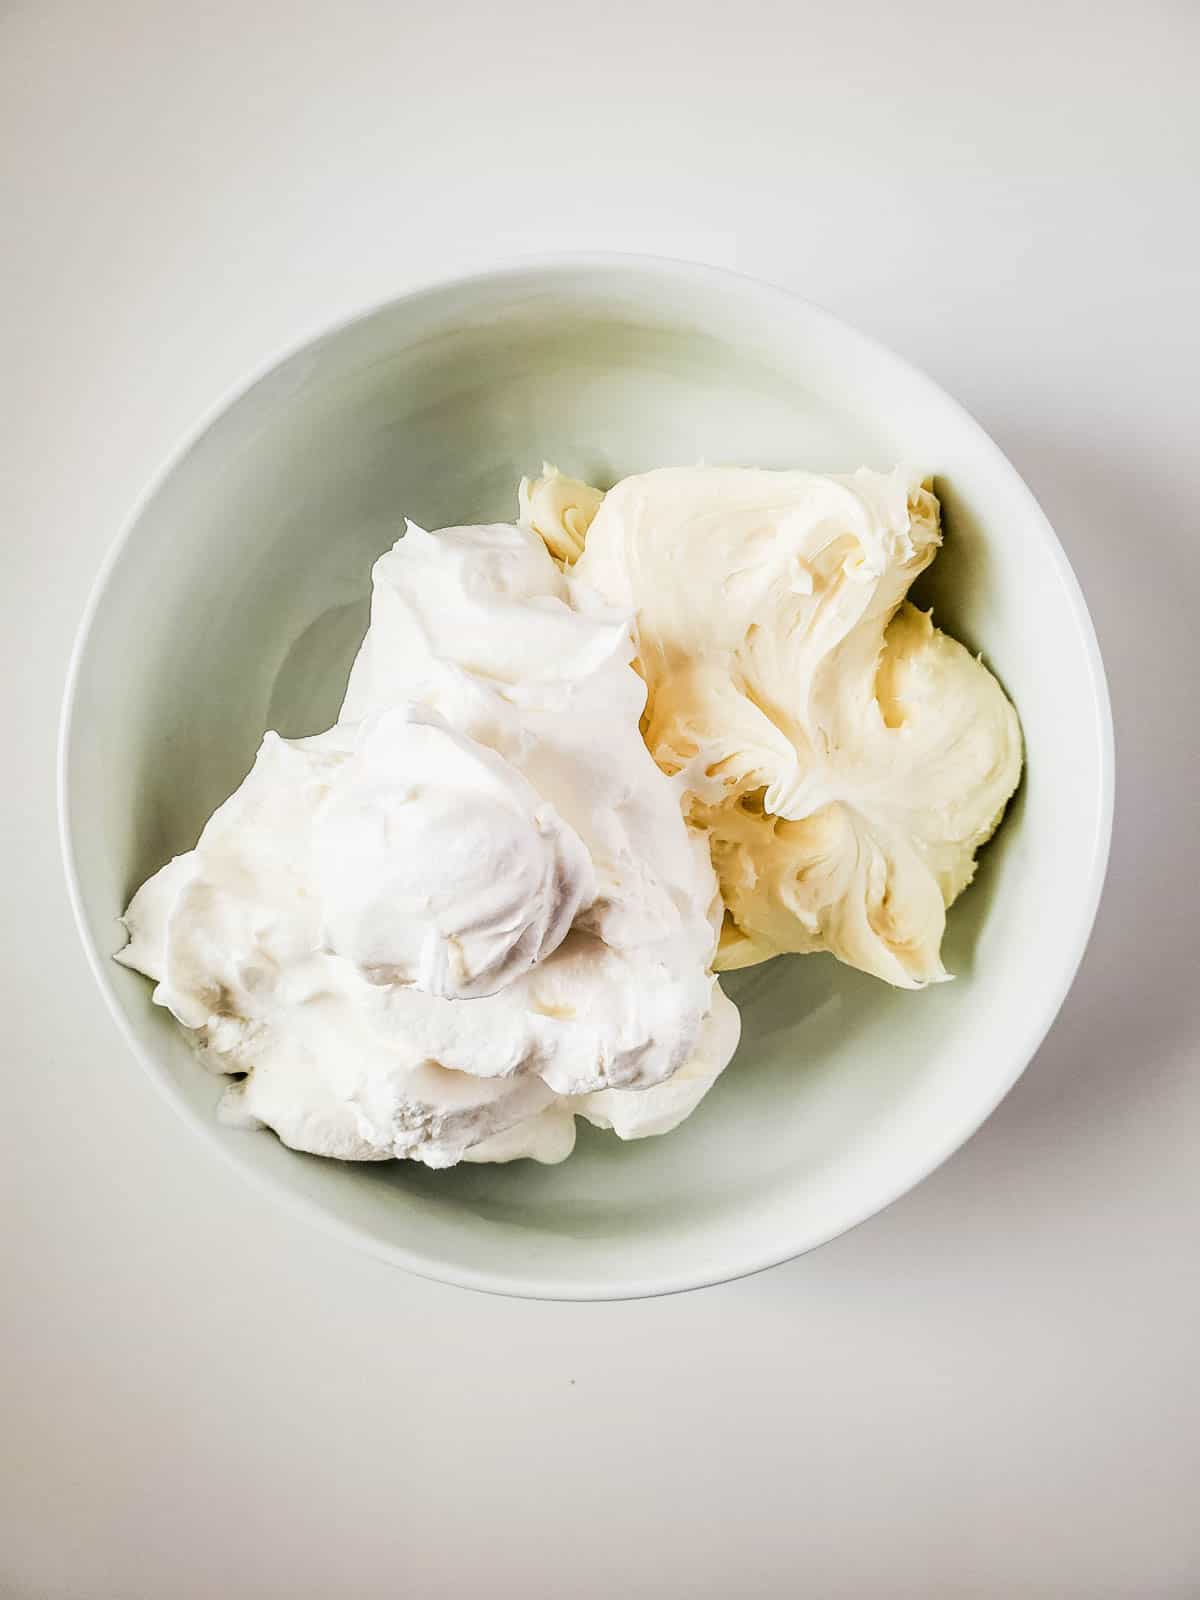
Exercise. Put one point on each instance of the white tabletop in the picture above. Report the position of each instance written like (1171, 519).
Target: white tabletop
(990, 1390)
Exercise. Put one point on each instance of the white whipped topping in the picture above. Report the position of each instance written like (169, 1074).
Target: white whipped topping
(845, 757)
(470, 910)
(438, 864)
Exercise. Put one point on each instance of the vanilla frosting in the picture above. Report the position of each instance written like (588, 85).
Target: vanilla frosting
(844, 757)
(559, 509)
(469, 911)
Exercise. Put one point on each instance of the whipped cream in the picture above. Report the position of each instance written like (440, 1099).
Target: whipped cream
(457, 886)
(471, 910)
(844, 757)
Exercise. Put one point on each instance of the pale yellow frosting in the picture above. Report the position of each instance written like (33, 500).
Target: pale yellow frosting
(559, 509)
(845, 757)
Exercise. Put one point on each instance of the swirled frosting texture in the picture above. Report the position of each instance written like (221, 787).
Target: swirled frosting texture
(559, 510)
(469, 911)
(845, 758)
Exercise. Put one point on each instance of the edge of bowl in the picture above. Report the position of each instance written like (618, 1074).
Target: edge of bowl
(512, 1284)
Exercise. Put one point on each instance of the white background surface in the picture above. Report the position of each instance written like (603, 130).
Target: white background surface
(991, 1390)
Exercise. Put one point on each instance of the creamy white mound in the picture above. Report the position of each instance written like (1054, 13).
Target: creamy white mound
(471, 910)
(844, 758)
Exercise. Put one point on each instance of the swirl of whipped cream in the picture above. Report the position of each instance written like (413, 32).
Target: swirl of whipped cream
(468, 912)
(438, 864)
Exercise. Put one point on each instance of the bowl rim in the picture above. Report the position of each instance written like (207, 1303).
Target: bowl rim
(516, 1283)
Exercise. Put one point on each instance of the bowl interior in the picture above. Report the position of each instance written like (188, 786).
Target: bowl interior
(239, 596)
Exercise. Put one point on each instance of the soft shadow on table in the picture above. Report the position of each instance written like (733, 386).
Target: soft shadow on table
(1131, 531)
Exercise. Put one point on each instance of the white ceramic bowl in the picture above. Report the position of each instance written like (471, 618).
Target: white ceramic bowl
(234, 602)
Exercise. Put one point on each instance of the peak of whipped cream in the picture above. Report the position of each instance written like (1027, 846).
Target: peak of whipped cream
(438, 864)
(469, 911)
(843, 756)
